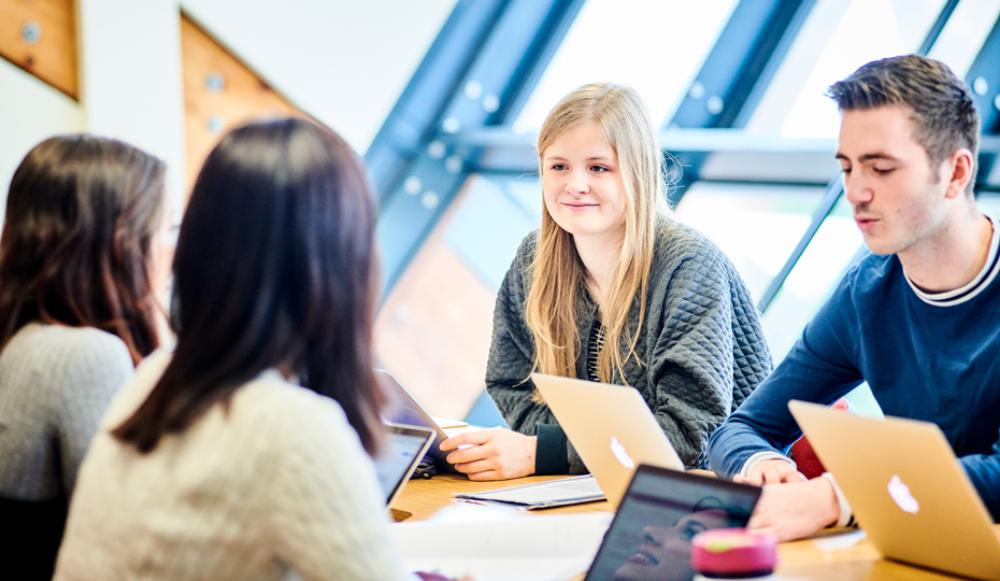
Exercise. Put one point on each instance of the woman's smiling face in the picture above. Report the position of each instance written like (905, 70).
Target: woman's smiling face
(582, 182)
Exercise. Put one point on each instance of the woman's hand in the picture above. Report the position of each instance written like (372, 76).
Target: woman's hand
(494, 454)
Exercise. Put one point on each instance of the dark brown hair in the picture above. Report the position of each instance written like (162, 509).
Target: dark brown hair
(274, 269)
(81, 215)
(943, 112)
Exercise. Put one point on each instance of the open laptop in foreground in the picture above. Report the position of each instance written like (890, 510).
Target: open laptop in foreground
(405, 446)
(906, 488)
(611, 428)
(403, 409)
(661, 512)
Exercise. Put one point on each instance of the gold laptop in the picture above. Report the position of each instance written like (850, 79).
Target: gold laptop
(906, 488)
(611, 428)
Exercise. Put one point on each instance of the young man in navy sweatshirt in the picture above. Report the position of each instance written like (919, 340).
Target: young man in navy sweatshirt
(918, 319)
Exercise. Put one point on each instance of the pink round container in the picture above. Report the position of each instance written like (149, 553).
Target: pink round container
(734, 553)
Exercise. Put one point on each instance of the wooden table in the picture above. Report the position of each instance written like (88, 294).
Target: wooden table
(421, 499)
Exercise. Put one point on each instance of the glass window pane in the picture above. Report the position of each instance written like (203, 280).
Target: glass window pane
(836, 244)
(964, 34)
(631, 42)
(836, 39)
(472, 233)
(756, 226)
(433, 330)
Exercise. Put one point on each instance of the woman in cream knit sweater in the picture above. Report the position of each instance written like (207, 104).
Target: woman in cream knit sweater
(244, 453)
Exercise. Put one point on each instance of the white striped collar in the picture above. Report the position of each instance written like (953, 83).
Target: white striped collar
(971, 290)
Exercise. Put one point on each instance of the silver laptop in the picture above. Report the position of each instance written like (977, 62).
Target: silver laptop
(906, 488)
(405, 446)
(611, 428)
(403, 409)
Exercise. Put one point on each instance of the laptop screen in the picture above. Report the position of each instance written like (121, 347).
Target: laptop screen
(402, 408)
(661, 512)
(404, 447)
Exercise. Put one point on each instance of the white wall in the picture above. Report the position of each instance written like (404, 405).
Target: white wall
(344, 62)
(30, 111)
(131, 88)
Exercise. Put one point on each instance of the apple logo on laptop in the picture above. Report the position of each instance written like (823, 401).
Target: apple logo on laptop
(621, 454)
(901, 495)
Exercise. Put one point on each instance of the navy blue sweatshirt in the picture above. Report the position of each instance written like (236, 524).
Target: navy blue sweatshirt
(927, 357)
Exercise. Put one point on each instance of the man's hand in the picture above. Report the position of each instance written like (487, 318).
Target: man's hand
(796, 510)
(775, 471)
(494, 454)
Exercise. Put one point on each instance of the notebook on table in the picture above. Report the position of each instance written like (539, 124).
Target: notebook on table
(549, 494)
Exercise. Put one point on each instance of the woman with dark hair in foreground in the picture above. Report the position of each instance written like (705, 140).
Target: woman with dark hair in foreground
(79, 257)
(244, 454)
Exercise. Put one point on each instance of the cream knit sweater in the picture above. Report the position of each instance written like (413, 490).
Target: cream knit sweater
(279, 483)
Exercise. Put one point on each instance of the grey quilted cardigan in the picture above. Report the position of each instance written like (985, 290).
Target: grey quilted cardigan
(701, 346)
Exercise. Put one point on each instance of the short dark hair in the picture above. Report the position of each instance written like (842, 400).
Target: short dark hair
(80, 219)
(275, 268)
(944, 114)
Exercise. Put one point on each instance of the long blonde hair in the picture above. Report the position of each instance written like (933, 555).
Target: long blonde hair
(557, 273)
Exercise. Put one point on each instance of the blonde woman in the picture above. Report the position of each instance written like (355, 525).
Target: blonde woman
(612, 289)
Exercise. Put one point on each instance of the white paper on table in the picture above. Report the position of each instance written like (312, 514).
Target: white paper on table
(839, 542)
(450, 424)
(538, 548)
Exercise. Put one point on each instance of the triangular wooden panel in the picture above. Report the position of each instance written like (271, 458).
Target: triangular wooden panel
(220, 92)
(40, 37)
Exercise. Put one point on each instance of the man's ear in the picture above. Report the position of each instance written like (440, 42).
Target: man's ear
(962, 171)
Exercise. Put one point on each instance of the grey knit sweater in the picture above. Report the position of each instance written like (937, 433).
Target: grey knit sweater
(55, 383)
(701, 346)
